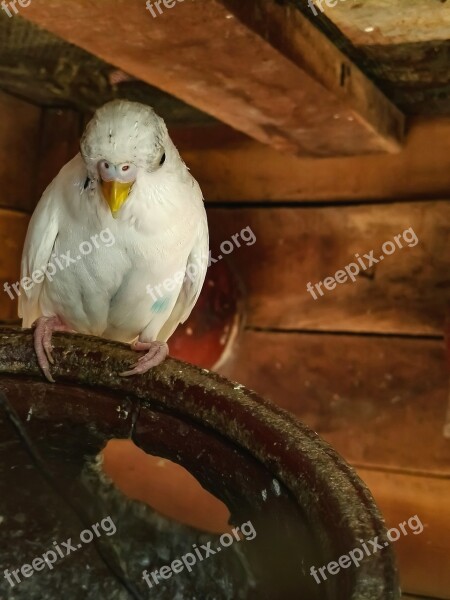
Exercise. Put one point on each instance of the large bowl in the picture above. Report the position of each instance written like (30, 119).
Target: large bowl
(305, 503)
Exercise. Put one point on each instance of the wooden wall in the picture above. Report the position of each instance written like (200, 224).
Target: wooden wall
(34, 145)
(364, 365)
(19, 142)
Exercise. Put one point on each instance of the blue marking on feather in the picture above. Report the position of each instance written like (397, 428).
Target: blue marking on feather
(160, 305)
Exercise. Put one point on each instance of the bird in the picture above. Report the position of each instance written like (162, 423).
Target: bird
(127, 187)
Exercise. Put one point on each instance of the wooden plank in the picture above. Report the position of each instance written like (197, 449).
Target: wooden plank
(60, 141)
(377, 21)
(13, 228)
(19, 140)
(193, 138)
(265, 94)
(231, 168)
(408, 293)
(423, 558)
(380, 401)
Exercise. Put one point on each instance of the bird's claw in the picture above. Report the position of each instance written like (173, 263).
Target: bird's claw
(156, 353)
(48, 346)
(44, 328)
(47, 374)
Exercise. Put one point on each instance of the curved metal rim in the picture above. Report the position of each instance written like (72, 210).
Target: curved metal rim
(296, 455)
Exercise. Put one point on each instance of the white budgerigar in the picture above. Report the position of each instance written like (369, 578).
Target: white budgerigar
(118, 244)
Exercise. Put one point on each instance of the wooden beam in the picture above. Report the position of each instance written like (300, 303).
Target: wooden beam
(287, 30)
(270, 91)
(408, 292)
(13, 228)
(231, 168)
(19, 143)
(380, 401)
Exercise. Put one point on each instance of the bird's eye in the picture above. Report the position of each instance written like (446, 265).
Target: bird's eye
(106, 165)
(163, 159)
(125, 168)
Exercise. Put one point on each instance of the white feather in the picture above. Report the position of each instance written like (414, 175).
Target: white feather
(159, 231)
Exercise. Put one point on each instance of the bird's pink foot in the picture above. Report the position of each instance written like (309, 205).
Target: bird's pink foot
(155, 354)
(44, 328)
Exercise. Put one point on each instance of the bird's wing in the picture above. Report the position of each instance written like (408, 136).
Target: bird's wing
(196, 268)
(39, 242)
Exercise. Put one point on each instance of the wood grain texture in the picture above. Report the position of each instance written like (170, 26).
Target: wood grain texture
(415, 76)
(46, 70)
(423, 559)
(232, 169)
(287, 30)
(381, 402)
(379, 21)
(264, 93)
(19, 143)
(59, 143)
(13, 228)
(408, 292)
(402, 46)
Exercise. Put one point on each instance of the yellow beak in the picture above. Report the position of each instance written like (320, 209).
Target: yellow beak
(115, 194)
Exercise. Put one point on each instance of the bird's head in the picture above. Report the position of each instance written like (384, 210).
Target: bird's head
(123, 140)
